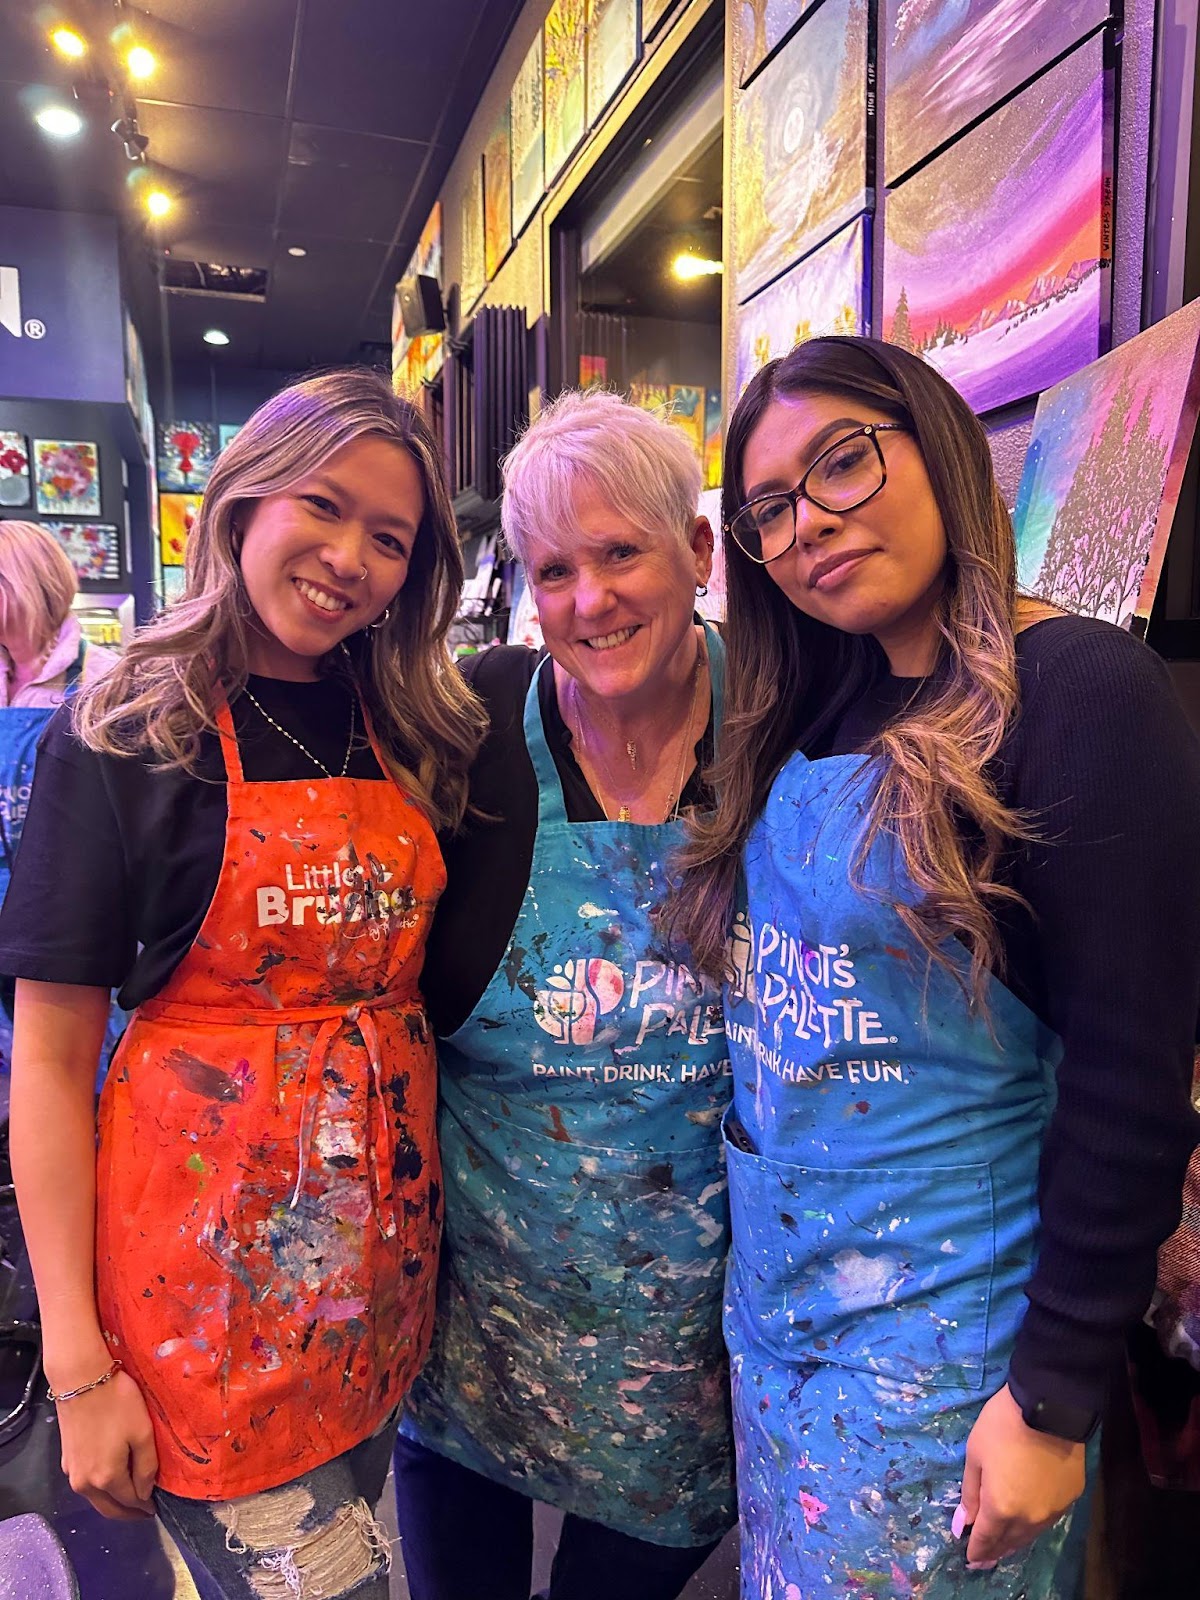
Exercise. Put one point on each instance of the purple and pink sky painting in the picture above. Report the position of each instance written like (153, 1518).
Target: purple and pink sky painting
(1002, 239)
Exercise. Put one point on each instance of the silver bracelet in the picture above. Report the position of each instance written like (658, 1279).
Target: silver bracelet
(72, 1394)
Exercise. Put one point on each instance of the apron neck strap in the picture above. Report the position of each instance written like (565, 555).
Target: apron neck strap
(551, 805)
(230, 753)
(75, 670)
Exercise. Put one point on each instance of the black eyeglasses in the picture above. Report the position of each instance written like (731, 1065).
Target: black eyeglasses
(842, 478)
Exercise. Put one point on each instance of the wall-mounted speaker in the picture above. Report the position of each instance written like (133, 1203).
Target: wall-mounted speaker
(421, 305)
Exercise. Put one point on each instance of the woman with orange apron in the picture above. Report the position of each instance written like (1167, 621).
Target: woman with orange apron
(267, 1192)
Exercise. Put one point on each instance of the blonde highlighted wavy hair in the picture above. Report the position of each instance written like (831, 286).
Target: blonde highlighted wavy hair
(37, 584)
(163, 694)
(789, 678)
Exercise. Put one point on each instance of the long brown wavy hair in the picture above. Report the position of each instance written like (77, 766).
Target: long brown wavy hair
(163, 694)
(789, 678)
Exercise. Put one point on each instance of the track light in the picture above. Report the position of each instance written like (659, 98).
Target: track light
(134, 141)
(69, 43)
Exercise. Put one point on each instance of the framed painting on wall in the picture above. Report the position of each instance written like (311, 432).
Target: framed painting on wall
(92, 548)
(654, 14)
(15, 487)
(824, 293)
(177, 515)
(996, 254)
(227, 431)
(612, 51)
(471, 278)
(497, 196)
(802, 144)
(758, 26)
(713, 419)
(1103, 473)
(528, 138)
(565, 37)
(186, 452)
(687, 414)
(943, 70)
(415, 360)
(66, 475)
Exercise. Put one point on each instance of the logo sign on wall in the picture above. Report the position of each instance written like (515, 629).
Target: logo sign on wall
(10, 308)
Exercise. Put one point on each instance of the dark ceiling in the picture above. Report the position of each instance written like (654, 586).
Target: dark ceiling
(326, 125)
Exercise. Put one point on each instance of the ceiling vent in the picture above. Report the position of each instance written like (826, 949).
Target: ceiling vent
(213, 280)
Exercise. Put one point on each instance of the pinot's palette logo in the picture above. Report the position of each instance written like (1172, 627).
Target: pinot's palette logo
(10, 308)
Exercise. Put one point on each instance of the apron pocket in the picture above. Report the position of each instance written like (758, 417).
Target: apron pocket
(559, 1218)
(886, 1270)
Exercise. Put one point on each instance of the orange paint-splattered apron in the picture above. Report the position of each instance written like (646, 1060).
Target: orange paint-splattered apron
(269, 1195)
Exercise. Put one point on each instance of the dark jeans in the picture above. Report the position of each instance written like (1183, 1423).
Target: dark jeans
(317, 1532)
(463, 1536)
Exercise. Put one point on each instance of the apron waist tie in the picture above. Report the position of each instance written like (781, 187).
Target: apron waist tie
(380, 1146)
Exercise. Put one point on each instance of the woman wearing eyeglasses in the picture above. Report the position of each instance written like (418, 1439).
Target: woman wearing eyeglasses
(965, 983)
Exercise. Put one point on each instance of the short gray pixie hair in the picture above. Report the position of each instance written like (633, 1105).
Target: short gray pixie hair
(639, 465)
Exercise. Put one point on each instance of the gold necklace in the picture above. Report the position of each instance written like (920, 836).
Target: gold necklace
(601, 765)
(303, 748)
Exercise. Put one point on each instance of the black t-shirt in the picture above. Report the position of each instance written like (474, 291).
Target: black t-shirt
(1108, 955)
(119, 859)
(488, 860)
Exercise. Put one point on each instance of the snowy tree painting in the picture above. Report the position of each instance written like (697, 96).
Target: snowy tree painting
(996, 255)
(824, 293)
(1103, 471)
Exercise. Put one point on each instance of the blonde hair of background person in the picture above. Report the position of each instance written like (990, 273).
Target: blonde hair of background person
(159, 700)
(37, 587)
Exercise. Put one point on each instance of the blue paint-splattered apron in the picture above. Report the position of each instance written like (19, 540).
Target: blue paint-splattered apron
(883, 1155)
(577, 1351)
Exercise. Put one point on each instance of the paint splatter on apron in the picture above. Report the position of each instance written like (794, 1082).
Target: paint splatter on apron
(268, 1185)
(883, 1164)
(577, 1353)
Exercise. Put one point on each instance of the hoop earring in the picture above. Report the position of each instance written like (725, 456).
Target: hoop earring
(374, 627)
(701, 591)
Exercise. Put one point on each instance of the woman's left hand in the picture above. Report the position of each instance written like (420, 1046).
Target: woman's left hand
(1018, 1482)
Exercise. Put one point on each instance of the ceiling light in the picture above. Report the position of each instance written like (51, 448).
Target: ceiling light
(59, 121)
(141, 62)
(689, 266)
(68, 43)
(158, 203)
(215, 336)
(297, 250)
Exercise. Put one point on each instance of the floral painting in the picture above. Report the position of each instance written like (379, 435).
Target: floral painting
(186, 452)
(92, 548)
(944, 65)
(758, 27)
(801, 150)
(497, 196)
(612, 50)
(1103, 473)
(15, 489)
(824, 293)
(565, 35)
(528, 138)
(177, 514)
(996, 254)
(67, 477)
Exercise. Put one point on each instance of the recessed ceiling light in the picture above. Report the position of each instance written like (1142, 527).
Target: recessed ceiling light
(158, 203)
(216, 336)
(141, 62)
(68, 43)
(59, 121)
(297, 250)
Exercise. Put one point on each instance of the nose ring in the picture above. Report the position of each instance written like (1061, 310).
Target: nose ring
(362, 574)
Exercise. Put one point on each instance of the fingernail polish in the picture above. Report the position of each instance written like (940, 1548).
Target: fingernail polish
(959, 1521)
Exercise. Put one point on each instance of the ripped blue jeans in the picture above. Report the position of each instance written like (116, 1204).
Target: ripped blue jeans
(316, 1535)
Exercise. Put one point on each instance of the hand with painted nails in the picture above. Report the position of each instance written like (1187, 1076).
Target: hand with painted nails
(1018, 1483)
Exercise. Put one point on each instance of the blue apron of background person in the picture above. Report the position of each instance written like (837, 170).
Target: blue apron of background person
(883, 1151)
(577, 1351)
(20, 729)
